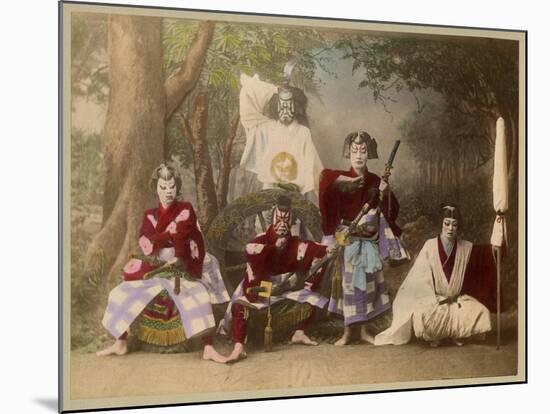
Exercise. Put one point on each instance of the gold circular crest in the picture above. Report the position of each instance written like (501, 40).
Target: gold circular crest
(284, 167)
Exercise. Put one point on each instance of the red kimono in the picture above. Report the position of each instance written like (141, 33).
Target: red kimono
(336, 205)
(480, 275)
(166, 233)
(270, 261)
(264, 260)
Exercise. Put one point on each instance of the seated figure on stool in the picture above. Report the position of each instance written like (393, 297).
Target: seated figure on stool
(170, 243)
(277, 257)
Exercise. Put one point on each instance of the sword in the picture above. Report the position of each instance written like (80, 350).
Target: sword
(164, 267)
(389, 164)
(387, 173)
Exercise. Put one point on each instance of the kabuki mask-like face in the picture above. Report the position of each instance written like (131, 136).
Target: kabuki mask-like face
(166, 190)
(449, 229)
(358, 154)
(285, 108)
(282, 222)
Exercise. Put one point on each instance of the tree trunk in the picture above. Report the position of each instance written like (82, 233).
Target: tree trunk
(225, 166)
(132, 138)
(202, 164)
(133, 135)
(183, 80)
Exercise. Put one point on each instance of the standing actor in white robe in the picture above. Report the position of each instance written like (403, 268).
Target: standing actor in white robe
(279, 149)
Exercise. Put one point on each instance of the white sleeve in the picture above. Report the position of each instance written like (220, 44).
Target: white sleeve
(416, 289)
(253, 97)
(312, 166)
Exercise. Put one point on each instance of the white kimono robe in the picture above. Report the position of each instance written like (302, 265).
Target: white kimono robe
(433, 307)
(275, 152)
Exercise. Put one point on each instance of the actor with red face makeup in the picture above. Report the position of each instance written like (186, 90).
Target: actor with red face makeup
(169, 234)
(277, 257)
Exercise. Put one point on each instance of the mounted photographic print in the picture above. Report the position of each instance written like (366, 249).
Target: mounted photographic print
(258, 206)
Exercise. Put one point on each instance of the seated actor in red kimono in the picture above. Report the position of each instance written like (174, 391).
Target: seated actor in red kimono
(448, 292)
(169, 235)
(342, 195)
(277, 257)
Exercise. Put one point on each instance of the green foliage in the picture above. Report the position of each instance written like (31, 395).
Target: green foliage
(473, 74)
(87, 169)
(236, 49)
(87, 181)
(89, 69)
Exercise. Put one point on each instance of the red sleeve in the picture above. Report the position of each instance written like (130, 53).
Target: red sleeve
(314, 251)
(191, 254)
(329, 201)
(260, 265)
(147, 228)
(145, 268)
(148, 231)
(159, 240)
(162, 240)
(480, 277)
(389, 204)
(390, 207)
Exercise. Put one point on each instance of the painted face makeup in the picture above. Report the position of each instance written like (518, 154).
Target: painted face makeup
(449, 228)
(166, 190)
(281, 222)
(358, 155)
(285, 109)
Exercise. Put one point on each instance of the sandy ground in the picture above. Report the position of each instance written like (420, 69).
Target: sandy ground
(150, 374)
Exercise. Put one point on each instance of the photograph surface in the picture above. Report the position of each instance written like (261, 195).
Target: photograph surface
(260, 206)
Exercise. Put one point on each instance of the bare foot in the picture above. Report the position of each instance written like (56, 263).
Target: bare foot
(237, 354)
(120, 347)
(300, 337)
(211, 354)
(344, 340)
(365, 336)
(434, 344)
(458, 342)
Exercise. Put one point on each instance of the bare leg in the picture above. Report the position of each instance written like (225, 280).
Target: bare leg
(300, 337)
(120, 347)
(211, 354)
(237, 354)
(344, 340)
(365, 336)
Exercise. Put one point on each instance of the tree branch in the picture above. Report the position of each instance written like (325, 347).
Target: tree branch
(225, 166)
(185, 127)
(184, 79)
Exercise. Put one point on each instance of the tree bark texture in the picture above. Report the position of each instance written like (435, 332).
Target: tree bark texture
(185, 78)
(132, 137)
(222, 185)
(195, 133)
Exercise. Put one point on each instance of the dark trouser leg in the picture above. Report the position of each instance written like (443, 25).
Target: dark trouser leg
(238, 324)
(207, 340)
(123, 337)
(302, 326)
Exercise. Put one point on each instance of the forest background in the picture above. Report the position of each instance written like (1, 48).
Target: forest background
(440, 96)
